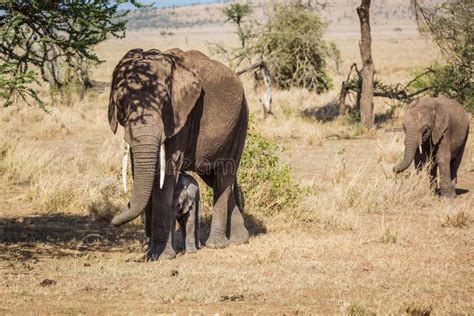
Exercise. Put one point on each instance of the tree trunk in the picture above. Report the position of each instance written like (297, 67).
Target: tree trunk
(342, 99)
(267, 95)
(367, 72)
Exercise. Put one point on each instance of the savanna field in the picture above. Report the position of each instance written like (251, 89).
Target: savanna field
(342, 234)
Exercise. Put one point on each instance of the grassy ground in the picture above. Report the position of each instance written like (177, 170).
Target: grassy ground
(361, 241)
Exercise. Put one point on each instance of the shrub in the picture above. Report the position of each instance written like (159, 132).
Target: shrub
(451, 82)
(264, 179)
(292, 42)
(266, 184)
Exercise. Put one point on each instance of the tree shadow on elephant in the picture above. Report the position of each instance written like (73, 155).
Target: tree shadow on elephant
(62, 235)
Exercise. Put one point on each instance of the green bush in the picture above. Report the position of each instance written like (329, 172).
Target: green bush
(292, 42)
(446, 80)
(265, 180)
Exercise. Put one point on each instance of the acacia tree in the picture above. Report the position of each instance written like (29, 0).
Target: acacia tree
(451, 26)
(293, 45)
(35, 34)
(239, 15)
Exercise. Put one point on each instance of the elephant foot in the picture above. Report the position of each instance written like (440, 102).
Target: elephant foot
(217, 241)
(191, 248)
(239, 234)
(448, 192)
(159, 251)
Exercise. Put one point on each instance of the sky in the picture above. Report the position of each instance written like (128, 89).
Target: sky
(168, 3)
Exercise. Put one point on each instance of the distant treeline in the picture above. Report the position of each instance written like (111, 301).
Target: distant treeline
(172, 18)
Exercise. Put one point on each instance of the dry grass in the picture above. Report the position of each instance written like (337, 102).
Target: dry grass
(361, 241)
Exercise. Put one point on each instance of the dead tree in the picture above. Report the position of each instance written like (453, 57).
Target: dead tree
(267, 95)
(368, 69)
(399, 92)
(348, 86)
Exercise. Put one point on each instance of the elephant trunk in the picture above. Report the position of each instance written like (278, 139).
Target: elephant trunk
(411, 145)
(145, 156)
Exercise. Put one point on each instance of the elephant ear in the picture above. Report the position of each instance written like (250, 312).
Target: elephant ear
(185, 89)
(441, 121)
(119, 84)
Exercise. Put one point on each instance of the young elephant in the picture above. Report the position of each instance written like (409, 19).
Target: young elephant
(187, 209)
(436, 131)
(187, 213)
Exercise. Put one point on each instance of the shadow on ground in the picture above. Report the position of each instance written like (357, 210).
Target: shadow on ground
(62, 235)
(59, 235)
(330, 112)
(461, 191)
(325, 113)
(456, 190)
(384, 117)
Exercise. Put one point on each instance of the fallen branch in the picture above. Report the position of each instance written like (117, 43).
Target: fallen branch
(267, 95)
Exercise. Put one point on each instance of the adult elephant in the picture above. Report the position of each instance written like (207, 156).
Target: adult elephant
(180, 110)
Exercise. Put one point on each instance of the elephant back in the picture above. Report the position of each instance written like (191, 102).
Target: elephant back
(223, 98)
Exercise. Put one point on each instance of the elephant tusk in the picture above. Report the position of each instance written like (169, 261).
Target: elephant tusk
(420, 149)
(124, 166)
(162, 164)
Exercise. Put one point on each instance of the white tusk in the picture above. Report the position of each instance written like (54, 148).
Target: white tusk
(124, 166)
(420, 149)
(162, 164)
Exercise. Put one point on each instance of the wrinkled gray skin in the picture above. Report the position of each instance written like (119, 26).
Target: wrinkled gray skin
(196, 108)
(187, 209)
(440, 126)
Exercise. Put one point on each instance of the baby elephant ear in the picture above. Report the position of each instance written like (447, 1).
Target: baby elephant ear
(441, 121)
(185, 89)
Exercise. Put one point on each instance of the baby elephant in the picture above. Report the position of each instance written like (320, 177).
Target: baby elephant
(187, 210)
(436, 131)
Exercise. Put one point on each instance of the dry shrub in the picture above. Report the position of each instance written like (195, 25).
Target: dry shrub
(391, 151)
(56, 169)
(106, 199)
(457, 220)
(35, 123)
(354, 309)
(388, 237)
(419, 309)
(340, 203)
(411, 189)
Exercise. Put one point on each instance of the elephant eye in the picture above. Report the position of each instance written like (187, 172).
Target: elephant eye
(425, 130)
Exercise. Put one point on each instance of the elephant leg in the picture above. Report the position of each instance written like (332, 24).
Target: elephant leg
(182, 220)
(146, 220)
(222, 197)
(455, 163)
(238, 233)
(197, 224)
(190, 239)
(445, 185)
(163, 219)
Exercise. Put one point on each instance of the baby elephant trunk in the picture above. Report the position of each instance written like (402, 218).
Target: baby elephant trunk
(410, 149)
